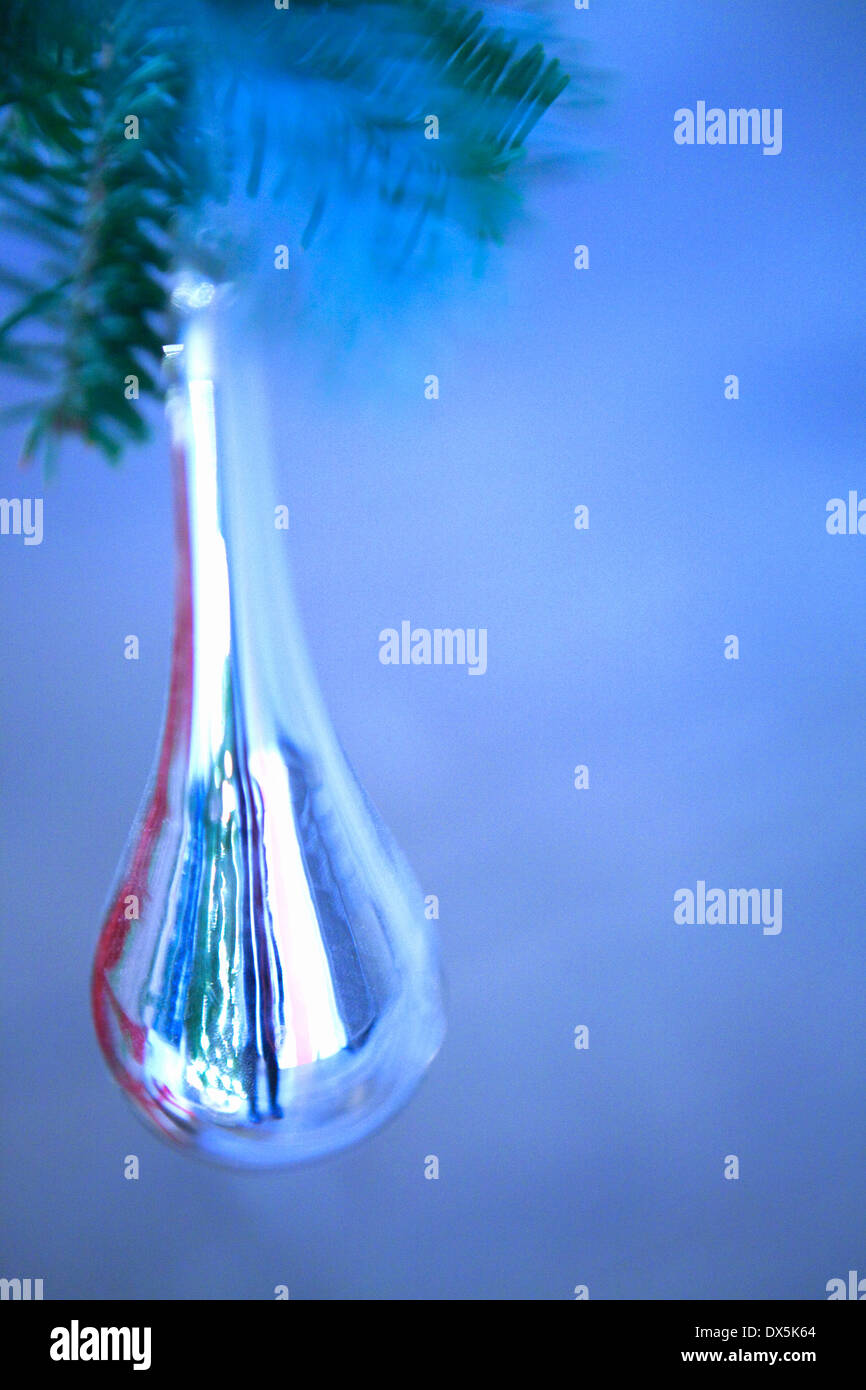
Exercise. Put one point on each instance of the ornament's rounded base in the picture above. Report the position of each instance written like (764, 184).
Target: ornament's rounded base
(272, 1116)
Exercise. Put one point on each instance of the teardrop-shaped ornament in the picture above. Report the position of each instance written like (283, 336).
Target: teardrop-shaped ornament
(266, 987)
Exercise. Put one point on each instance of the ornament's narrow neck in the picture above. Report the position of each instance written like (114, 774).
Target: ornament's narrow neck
(244, 620)
(212, 731)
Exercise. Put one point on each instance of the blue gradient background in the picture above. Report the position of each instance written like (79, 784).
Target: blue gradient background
(557, 1167)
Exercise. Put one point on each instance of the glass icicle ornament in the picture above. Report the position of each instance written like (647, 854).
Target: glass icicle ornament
(265, 988)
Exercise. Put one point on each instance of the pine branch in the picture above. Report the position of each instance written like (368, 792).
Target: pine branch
(120, 123)
(103, 203)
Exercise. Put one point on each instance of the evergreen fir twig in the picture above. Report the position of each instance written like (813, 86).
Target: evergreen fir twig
(354, 83)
